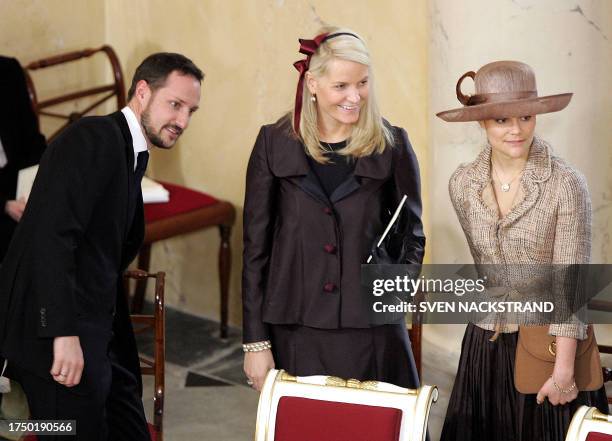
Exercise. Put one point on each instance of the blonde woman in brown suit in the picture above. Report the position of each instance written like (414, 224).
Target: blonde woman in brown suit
(321, 185)
(517, 203)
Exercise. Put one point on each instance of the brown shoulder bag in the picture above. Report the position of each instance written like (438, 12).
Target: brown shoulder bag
(535, 360)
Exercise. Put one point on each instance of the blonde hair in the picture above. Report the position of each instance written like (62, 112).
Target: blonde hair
(369, 135)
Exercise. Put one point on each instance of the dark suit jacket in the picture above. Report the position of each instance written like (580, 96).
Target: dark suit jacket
(21, 139)
(302, 250)
(82, 225)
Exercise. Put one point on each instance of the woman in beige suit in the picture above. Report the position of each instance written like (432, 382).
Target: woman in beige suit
(517, 203)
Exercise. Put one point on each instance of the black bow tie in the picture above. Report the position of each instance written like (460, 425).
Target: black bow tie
(141, 165)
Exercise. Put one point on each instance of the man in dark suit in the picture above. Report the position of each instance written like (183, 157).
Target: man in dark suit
(21, 144)
(64, 322)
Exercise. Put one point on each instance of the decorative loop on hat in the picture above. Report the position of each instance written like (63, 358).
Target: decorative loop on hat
(464, 99)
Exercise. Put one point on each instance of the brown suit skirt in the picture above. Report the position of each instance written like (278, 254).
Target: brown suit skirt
(380, 353)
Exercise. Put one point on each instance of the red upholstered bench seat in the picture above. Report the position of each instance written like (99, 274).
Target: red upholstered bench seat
(305, 419)
(596, 436)
(188, 211)
(182, 200)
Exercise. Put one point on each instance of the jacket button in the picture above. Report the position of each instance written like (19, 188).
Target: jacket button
(327, 210)
(329, 248)
(329, 287)
(43, 317)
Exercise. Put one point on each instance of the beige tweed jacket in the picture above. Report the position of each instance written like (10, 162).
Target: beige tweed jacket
(550, 222)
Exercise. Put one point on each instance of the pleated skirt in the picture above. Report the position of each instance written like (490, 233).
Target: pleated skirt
(382, 353)
(485, 405)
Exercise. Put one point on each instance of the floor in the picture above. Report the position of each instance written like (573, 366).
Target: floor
(206, 397)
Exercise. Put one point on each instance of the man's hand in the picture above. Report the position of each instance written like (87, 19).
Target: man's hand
(67, 360)
(15, 209)
(256, 367)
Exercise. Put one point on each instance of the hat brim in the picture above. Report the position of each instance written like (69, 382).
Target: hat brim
(508, 109)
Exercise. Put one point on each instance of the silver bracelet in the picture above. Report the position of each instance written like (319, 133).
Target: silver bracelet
(257, 346)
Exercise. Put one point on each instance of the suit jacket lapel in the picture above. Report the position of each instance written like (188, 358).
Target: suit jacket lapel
(134, 224)
(350, 184)
(537, 170)
(291, 162)
(310, 184)
(367, 168)
(119, 118)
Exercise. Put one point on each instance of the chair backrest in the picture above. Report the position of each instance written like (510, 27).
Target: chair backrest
(330, 408)
(589, 424)
(105, 92)
(156, 323)
(415, 333)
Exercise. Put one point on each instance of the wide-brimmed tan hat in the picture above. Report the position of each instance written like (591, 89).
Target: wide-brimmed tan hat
(504, 89)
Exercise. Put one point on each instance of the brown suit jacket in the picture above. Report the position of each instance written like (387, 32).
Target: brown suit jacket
(549, 225)
(302, 250)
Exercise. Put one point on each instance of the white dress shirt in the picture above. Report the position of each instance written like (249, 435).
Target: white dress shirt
(138, 139)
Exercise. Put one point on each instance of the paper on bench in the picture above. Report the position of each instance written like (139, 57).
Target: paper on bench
(25, 180)
(153, 192)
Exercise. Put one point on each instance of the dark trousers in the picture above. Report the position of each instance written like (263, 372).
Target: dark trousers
(109, 408)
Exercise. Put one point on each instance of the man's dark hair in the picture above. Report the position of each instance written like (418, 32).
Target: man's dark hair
(156, 67)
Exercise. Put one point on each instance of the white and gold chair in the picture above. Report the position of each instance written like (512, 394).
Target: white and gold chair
(589, 424)
(326, 408)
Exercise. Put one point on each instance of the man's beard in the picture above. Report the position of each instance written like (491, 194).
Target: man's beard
(153, 137)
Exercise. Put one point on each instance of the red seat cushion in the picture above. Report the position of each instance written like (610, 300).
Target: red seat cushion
(305, 419)
(596, 436)
(182, 200)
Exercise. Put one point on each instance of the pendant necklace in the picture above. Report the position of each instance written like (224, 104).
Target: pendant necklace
(505, 186)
